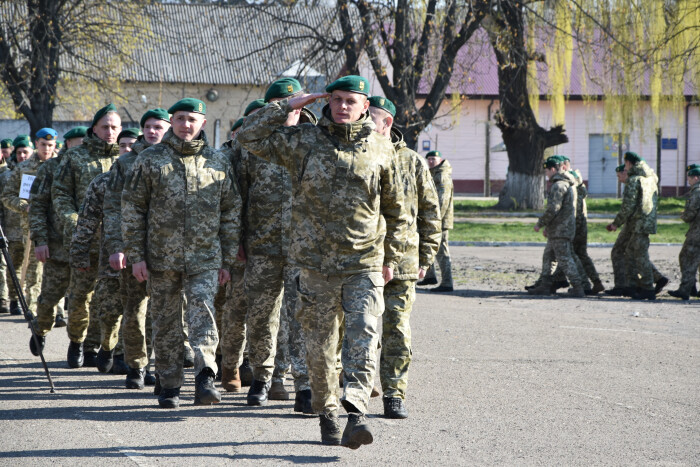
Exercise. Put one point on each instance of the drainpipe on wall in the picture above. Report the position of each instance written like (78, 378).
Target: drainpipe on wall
(217, 133)
(487, 163)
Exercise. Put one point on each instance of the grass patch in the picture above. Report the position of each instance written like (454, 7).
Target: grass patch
(667, 206)
(523, 232)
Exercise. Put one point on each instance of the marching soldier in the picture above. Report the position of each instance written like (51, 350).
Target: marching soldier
(689, 257)
(5, 151)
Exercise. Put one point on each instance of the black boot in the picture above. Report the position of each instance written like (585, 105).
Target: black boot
(105, 360)
(120, 367)
(245, 373)
(60, 322)
(330, 429)
(157, 388)
(219, 359)
(75, 355)
(4, 306)
(134, 378)
(442, 288)
(643, 294)
(149, 379)
(90, 359)
(394, 407)
(682, 294)
(615, 292)
(32, 346)
(302, 403)
(356, 432)
(428, 281)
(169, 398)
(660, 284)
(533, 286)
(14, 308)
(204, 391)
(257, 394)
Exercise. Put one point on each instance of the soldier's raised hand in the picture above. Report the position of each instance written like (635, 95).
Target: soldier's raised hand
(301, 101)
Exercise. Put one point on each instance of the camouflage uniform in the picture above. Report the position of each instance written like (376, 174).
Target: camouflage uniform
(17, 247)
(346, 182)
(78, 167)
(424, 237)
(559, 218)
(689, 257)
(442, 177)
(4, 292)
(136, 321)
(181, 215)
(617, 256)
(638, 211)
(89, 230)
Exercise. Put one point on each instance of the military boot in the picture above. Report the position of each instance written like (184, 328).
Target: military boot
(120, 367)
(157, 387)
(4, 306)
(230, 380)
(258, 393)
(204, 391)
(643, 294)
(394, 407)
(615, 292)
(218, 360)
(556, 285)
(278, 392)
(660, 284)
(535, 285)
(14, 308)
(428, 281)
(60, 322)
(188, 361)
(135, 378)
(679, 293)
(597, 287)
(330, 429)
(32, 345)
(90, 359)
(542, 289)
(75, 357)
(149, 379)
(576, 291)
(169, 398)
(105, 360)
(356, 432)
(245, 372)
(302, 403)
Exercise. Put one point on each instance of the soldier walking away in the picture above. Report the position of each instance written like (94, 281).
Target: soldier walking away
(689, 257)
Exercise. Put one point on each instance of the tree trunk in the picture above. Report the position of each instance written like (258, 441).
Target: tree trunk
(522, 191)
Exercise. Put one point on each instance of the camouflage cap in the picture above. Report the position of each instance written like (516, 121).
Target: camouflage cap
(101, 113)
(48, 134)
(6, 143)
(694, 172)
(632, 157)
(352, 83)
(77, 132)
(620, 168)
(253, 106)
(237, 124)
(282, 88)
(690, 167)
(158, 114)
(383, 103)
(434, 154)
(129, 133)
(189, 104)
(22, 141)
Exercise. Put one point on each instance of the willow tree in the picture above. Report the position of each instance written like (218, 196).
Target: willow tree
(77, 44)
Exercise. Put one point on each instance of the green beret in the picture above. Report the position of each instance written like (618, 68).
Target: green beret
(694, 172)
(690, 167)
(59, 144)
(129, 133)
(282, 88)
(101, 113)
(632, 157)
(238, 124)
(23, 141)
(383, 103)
(620, 168)
(255, 105)
(159, 114)
(552, 161)
(352, 83)
(434, 154)
(77, 132)
(562, 158)
(189, 104)
(6, 143)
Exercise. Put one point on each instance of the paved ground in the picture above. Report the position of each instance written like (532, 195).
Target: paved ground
(498, 378)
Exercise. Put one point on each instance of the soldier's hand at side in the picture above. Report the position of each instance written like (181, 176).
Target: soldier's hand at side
(544, 233)
(224, 276)
(140, 271)
(42, 253)
(241, 254)
(388, 274)
(421, 274)
(611, 227)
(83, 269)
(303, 100)
(117, 261)
(537, 228)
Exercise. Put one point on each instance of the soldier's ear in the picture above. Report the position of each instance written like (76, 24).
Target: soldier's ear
(366, 105)
(204, 123)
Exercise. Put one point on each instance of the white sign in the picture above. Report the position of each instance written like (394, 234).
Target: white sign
(26, 186)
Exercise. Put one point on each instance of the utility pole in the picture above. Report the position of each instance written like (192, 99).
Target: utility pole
(487, 163)
(658, 157)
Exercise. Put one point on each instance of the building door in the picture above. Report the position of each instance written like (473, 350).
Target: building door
(602, 160)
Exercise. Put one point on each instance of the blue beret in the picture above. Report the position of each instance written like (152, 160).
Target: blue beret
(47, 133)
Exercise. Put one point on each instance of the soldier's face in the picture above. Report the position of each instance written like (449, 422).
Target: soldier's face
(154, 130)
(125, 145)
(551, 171)
(187, 125)
(6, 152)
(73, 142)
(347, 107)
(628, 165)
(693, 179)
(382, 121)
(45, 148)
(233, 133)
(108, 127)
(24, 153)
(434, 161)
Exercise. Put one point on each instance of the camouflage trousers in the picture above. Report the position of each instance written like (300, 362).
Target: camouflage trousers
(291, 348)
(32, 275)
(4, 292)
(233, 314)
(638, 267)
(444, 261)
(689, 259)
(107, 307)
(617, 256)
(53, 288)
(136, 322)
(323, 303)
(166, 295)
(82, 284)
(584, 263)
(558, 252)
(399, 296)
(264, 287)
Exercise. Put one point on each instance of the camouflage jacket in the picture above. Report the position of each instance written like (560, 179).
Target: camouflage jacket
(442, 176)
(44, 224)
(345, 179)
(181, 208)
(421, 201)
(11, 220)
(10, 192)
(89, 230)
(78, 167)
(691, 213)
(559, 218)
(112, 206)
(581, 208)
(640, 200)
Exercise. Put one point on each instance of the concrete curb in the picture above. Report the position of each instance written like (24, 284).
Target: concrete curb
(536, 214)
(541, 244)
